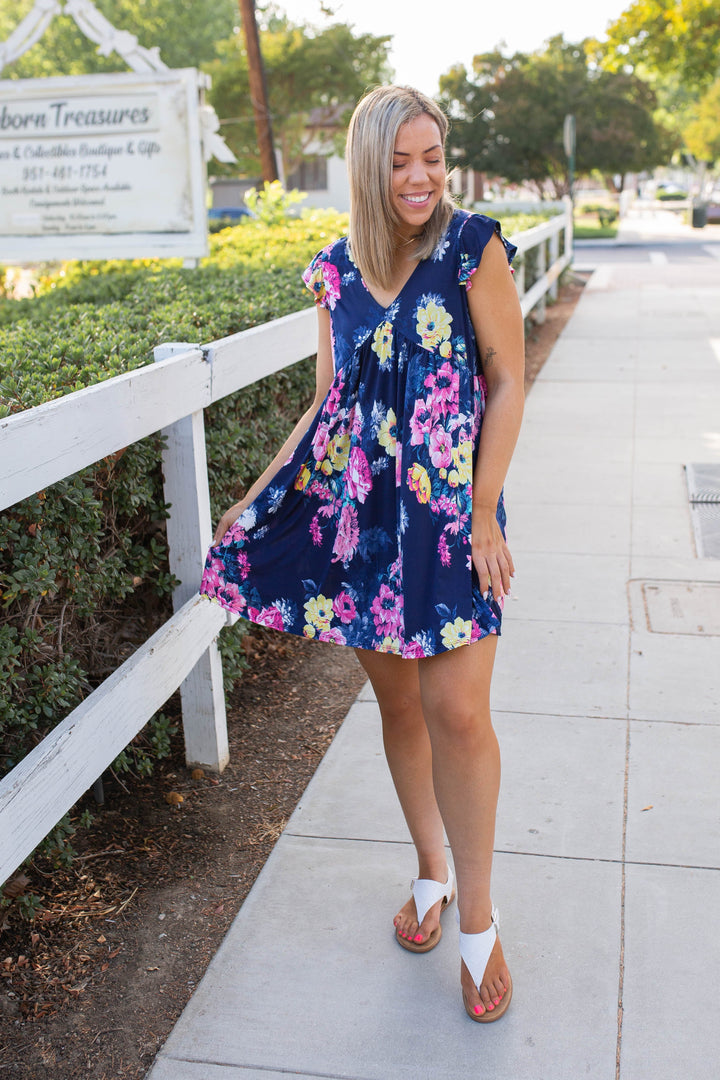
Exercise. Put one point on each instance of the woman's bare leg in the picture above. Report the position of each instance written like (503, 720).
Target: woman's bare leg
(409, 756)
(455, 694)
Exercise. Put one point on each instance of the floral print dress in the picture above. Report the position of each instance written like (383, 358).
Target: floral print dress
(363, 536)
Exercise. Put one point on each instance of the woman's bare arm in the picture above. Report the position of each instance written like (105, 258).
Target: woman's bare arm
(498, 324)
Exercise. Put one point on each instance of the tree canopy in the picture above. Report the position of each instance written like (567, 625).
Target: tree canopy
(186, 32)
(679, 38)
(508, 119)
(314, 79)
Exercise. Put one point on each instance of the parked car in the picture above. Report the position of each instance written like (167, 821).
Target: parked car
(219, 217)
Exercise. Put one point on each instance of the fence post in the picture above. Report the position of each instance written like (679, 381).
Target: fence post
(189, 534)
(541, 269)
(554, 256)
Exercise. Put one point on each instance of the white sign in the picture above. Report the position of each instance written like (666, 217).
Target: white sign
(102, 166)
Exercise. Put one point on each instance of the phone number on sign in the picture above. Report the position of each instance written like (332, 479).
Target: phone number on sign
(34, 173)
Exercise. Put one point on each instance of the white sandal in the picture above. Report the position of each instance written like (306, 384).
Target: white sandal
(425, 893)
(475, 950)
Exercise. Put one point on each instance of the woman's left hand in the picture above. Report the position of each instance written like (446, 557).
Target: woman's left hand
(490, 554)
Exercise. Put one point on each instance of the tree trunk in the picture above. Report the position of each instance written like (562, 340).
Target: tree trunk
(258, 90)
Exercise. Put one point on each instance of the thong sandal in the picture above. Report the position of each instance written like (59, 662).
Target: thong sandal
(475, 950)
(425, 893)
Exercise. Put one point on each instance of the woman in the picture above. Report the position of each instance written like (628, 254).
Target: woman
(380, 523)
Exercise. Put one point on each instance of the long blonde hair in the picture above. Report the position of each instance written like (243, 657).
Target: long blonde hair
(373, 129)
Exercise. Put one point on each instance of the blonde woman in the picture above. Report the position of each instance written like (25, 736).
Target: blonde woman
(380, 523)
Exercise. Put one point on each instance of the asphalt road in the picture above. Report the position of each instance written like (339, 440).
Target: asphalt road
(657, 239)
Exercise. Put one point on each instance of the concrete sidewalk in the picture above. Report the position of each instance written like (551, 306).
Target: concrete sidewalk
(607, 705)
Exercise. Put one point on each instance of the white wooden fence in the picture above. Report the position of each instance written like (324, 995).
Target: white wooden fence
(52, 441)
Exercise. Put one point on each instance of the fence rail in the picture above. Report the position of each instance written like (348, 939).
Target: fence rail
(49, 442)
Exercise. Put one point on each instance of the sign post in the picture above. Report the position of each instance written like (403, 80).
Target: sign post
(569, 145)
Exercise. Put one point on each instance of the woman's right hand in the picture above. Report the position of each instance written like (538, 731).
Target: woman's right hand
(228, 520)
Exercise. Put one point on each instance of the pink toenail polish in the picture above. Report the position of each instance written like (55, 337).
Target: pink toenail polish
(479, 1010)
(418, 938)
(497, 1001)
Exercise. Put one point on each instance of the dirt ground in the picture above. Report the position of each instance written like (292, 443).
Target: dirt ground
(93, 986)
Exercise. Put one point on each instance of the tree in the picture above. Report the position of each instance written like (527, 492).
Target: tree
(314, 79)
(702, 134)
(524, 100)
(679, 38)
(185, 31)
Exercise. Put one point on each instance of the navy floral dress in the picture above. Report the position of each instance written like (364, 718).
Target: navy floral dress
(363, 536)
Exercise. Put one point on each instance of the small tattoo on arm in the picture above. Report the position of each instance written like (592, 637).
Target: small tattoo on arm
(489, 357)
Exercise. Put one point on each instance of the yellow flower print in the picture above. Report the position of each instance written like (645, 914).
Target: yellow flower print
(319, 612)
(453, 478)
(387, 436)
(462, 460)
(389, 645)
(382, 342)
(433, 324)
(302, 479)
(445, 349)
(457, 633)
(419, 482)
(309, 631)
(339, 450)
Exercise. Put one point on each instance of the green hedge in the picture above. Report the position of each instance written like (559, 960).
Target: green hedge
(84, 573)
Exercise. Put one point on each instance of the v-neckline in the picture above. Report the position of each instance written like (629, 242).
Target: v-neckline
(403, 287)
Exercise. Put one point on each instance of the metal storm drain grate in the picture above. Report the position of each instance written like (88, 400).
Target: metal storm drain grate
(703, 483)
(682, 607)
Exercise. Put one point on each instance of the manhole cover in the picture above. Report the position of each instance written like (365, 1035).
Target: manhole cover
(681, 607)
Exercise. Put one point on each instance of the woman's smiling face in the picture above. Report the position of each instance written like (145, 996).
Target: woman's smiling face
(418, 174)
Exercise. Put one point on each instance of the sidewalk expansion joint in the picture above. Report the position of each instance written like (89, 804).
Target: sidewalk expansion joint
(250, 1067)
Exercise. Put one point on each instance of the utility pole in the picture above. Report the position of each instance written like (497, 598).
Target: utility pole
(258, 90)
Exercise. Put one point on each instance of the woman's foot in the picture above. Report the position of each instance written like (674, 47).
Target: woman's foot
(486, 982)
(407, 926)
(417, 925)
(496, 984)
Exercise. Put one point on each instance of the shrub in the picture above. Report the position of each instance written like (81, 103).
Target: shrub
(84, 576)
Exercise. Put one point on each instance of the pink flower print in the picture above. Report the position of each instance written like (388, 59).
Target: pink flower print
(413, 650)
(445, 387)
(210, 582)
(347, 535)
(356, 418)
(270, 616)
(333, 399)
(235, 534)
(320, 442)
(443, 550)
(421, 421)
(333, 634)
(316, 531)
(232, 597)
(358, 475)
(387, 609)
(398, 464)
(332, 284)
(243, 564)
(440, 448)
(344, 608)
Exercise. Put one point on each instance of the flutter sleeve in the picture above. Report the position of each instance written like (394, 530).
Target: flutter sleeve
(323, 278)
(474, 236)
